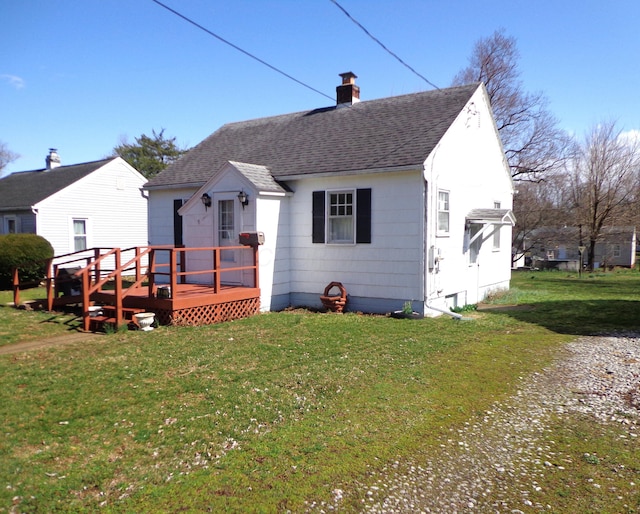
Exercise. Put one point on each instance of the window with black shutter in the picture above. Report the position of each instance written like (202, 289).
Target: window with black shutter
(341, 216)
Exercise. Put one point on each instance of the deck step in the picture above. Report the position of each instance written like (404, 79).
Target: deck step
(127, 312)
(98, 322)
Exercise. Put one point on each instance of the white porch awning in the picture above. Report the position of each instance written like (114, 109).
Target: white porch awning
(490, 218)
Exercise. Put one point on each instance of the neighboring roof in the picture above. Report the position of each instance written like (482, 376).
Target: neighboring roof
(259, 176)
(390, 133)
(24, 189)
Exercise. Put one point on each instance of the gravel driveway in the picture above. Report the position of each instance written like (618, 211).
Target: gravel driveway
(596, 375)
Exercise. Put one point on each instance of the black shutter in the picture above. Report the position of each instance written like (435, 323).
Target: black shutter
(318, 217)
(177, 223)
(363, 216)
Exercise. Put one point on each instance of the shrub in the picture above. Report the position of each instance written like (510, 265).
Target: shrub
(29, 252)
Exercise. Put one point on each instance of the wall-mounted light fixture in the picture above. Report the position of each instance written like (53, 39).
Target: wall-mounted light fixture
(243, 198)
(206, 200)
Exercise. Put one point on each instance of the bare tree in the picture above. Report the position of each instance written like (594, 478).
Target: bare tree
(6, 156)
(536, 205)
(532, 141)
(603, 179)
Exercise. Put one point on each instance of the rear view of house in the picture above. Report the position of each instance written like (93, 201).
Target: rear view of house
(400, 199)
(93, 204)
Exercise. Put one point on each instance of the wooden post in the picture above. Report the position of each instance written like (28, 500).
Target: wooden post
(151, 272)
(183, 264)
(256, 267)
(96, 273)
(138, 270)
(216, 270)
(50, 284)
(16, 287)
(86, 321)
(173, 271)
(118, 291)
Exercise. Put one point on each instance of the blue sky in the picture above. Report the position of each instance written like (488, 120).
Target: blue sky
(80, 75)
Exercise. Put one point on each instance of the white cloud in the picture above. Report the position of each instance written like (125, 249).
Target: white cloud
(630, 136)
(13, 80)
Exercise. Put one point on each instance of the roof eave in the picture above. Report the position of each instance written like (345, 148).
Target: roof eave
(365, 171)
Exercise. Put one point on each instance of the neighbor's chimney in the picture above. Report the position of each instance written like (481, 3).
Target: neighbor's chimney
(53, 159)
(348, 93)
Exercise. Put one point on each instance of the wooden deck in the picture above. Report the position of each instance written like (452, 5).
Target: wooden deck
(190, 304)
(155, 279)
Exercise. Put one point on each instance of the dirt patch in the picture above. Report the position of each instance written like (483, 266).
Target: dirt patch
(495, 307)
(26, 346)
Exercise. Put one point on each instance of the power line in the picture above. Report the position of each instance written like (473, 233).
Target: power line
(380, 43)
(248, 54)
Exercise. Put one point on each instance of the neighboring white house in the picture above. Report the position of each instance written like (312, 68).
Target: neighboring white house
(559, 247)
(400, 199)
(93, 204)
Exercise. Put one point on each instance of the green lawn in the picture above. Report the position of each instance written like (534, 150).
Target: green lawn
(263, 414)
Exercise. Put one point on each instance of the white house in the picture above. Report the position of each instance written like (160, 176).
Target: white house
(93, 204)
(400, 199)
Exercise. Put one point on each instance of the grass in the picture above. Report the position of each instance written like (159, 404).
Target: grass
(263, 414)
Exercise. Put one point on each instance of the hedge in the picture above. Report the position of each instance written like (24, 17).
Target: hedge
(29, 252)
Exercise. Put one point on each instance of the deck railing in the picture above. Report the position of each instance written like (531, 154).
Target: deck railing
(88, 271)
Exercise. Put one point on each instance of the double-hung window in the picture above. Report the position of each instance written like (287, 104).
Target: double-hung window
(443, 212)
(79, 235)
(496, 230)
(342, 216)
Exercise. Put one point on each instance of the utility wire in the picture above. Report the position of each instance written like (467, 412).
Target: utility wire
(380, 43)
(189, 20)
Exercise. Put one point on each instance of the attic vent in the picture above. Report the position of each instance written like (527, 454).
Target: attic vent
(348, 92)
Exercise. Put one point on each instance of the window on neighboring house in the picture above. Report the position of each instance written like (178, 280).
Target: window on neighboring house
(11, 226)
(616, 251)
(342, 217)
(443, 212)
(79, 234)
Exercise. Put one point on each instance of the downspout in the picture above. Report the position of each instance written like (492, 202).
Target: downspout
(448, 313)
(429, 231)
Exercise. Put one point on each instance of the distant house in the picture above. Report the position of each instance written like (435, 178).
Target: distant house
(400, 199)
(93, 204)
(559, 247)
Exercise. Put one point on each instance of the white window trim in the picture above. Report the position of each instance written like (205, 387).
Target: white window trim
(496, 236)
(87, 228)
(439, 232)
(328, 217)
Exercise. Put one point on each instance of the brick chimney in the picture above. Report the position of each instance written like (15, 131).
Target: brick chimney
(348, 93)
(53, 159)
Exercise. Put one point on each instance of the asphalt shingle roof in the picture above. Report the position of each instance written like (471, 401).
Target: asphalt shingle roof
(388, 133)
(259, 176)
(24, 189)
